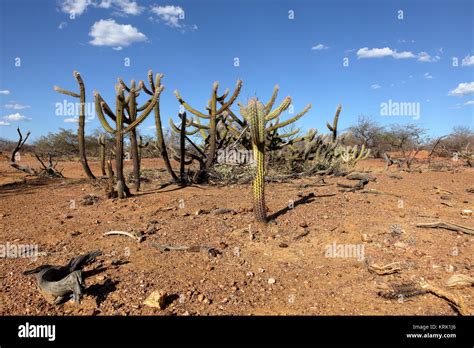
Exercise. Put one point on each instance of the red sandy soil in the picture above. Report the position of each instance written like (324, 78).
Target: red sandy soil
(38, 211)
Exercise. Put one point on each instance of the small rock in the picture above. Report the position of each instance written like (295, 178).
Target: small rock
(157, 299)
(366, 238)
(283, 245)
(75, 233)
(201, 297)
(250, 274)
(400, 245)
(466, 212)
(303, 224)
(271, 280)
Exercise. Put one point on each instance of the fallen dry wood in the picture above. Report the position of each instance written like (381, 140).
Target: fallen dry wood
(447, 226)
(394, 267)
(456, 301)
(195, 248)
(376, 192)
(123, 233)
(440, 190)
(352, 188)
(360, 176)
(459, 280)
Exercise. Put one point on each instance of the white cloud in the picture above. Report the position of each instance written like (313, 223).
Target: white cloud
(375, 86)
(464, 88)
(16, 117)
(428, 76)
(71, 120)
(62, 25)
(467, 61)
(425, 57)
(5, 92)
(319, 47)
(109, 33)
(365, 52)
(3, 123)
(16, 106)
(469, 102)
(169, 14)
(76, 7)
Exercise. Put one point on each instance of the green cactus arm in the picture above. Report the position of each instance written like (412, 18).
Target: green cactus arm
(201, 129)
(233, 116)
(145, 105)
(277, 112)
(291, 120)
(63, 91)
(234, 96)
(146, 90)
(223, 96)
(177, 129)
(188, 107)
(124, 86)
(145, 112)
(100, 113)
(269, 105)
(289, 134)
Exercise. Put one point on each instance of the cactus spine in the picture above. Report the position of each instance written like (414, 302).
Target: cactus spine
(82, 121)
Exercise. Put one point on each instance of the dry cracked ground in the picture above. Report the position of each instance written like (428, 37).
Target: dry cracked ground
(281, 269)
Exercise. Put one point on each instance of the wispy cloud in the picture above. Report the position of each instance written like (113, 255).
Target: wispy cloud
(468, 61)
(365, 52)
(375, 86)
(4, 92)
(16, 117)
(425, 57)
(121, 7)
(428, 76)
(319, 47)
(62, 25)
(16, 106)
(3, 123)
(76, 7)
(170, 15)
(109, 33)
(463, 89)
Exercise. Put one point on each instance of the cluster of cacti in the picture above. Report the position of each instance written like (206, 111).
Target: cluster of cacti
(214, 134)
(125, 105)
(259, 129)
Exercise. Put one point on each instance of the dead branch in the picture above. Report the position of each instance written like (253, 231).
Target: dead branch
(459, 280)
(447, 226)
(123, 233)
(394, 267)
(352, 188)
(456, 301)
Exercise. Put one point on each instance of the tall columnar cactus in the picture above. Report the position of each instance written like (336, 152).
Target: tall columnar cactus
(130, 108)
(333, 127)
(102, 151)
(82, 121)
(123, 125)
(258, 115)
(214, 115)
(159, 129)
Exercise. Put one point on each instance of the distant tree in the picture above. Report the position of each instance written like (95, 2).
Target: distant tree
(369, 133)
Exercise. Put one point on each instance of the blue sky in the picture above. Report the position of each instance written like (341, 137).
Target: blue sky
(405, 57)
